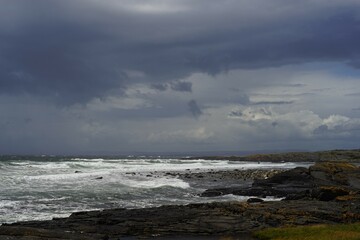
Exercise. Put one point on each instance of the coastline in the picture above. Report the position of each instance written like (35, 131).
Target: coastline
(191, 221)
(325, 193)
(352, 155)
(43, 189)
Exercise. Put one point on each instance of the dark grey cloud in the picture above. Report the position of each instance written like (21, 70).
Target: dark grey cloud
(96, 75)
(181, 86)
(160, 86)
(194, 108)
(295, 85)
(321, 129)
(242, 99)
(55, 59)
(72, 51)
(236, 114)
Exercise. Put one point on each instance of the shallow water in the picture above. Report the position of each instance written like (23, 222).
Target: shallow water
(40, 188)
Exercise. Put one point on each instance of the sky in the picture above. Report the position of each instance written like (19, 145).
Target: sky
(123, 76)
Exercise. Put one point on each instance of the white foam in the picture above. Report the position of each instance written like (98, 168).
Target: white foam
(43, 189)
(87, 159)
(8, 203)
(156, 183)
(52, 199)
(147, 165)
(66, 176)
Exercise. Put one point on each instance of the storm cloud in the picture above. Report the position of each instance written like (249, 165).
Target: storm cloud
(110, 67)
(73, 51)
(194, 108)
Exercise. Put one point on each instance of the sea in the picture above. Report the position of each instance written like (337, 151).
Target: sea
(46, 187)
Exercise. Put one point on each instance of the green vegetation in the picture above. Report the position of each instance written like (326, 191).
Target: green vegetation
(316, 232)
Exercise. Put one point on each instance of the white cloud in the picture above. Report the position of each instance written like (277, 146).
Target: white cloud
(339, 123)
(156, 7)
(144, 6)
(303, 123)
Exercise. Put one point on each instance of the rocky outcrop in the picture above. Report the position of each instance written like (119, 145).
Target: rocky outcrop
(211, 219)
(280, 185)
(336, 173)
(323, 181)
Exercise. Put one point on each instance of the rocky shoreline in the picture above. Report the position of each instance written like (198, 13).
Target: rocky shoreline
(327, 192)
(320, 156)
(211, 219)
(323, 181)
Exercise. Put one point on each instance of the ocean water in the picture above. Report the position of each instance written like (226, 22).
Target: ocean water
(41, 188)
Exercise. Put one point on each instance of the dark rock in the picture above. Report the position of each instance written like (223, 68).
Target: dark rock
(341, 178)
(254, 200)
(328, 193)
(98, 178)
(298, 177)
(212, 193)
(226, 218)
(169, 173)
(232, 175)
(78, 171)
(333, 172)
(33, 233)
(304, 195)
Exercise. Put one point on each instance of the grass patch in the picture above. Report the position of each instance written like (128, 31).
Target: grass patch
(316, 232)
